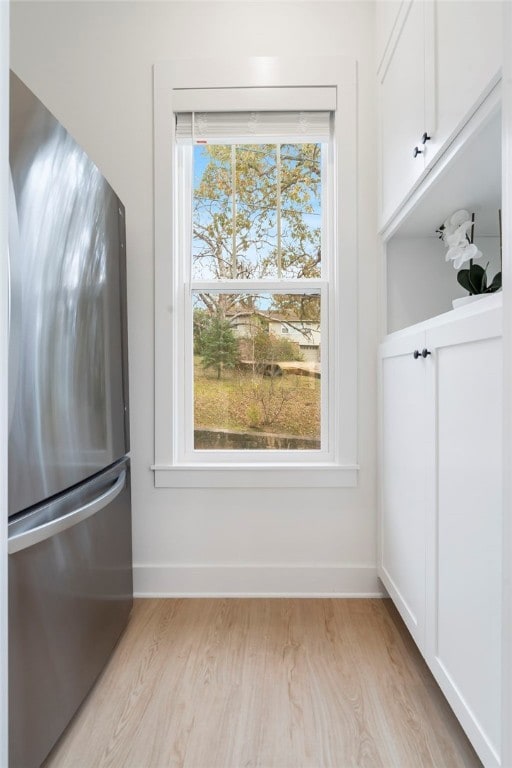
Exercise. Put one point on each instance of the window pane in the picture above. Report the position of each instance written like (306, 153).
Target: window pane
(212, 219)
(254, 389)
(301, 213)
(257, 211)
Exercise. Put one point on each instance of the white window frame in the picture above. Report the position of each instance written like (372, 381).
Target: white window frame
(174, 82)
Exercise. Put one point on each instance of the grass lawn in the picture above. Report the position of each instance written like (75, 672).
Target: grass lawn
(287, 405)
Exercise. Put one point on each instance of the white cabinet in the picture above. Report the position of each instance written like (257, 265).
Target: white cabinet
(441, 61)
(441, 505)
(386, 17)
(469, 56)
(403, 479)
(441, 416)
(403, 120)
(464, 573)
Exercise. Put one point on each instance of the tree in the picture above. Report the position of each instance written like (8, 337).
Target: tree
(201, 323)
(256, 214)
(219, 347)
(269, 348)
(266, 400)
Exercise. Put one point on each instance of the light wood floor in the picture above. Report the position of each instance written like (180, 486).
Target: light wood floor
(274, 683)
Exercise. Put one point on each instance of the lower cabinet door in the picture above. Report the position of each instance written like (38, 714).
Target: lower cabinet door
(464, 567)
(403, 467)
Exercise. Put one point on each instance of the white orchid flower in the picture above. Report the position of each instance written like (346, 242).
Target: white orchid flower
(461, 253)
(456, 219)
(459, 235)
(453, 223)
(459, 217)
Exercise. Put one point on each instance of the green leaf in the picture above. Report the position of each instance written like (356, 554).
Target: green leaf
(496, 283)
(463, 279)
(477, 270)
(477, 279)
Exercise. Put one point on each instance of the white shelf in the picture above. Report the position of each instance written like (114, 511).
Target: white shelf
(490, 301)
(420, 284)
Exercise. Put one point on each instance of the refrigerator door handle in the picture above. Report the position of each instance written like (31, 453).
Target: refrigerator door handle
(47, 530)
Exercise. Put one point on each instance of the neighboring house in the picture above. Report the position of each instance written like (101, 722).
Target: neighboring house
(305, 333)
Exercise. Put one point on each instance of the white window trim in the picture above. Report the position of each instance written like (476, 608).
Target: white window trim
(258, 72)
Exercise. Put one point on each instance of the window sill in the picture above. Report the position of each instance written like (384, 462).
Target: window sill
(305, 476)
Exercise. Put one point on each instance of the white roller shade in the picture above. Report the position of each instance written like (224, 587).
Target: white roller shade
(296, 99)
(252, 127)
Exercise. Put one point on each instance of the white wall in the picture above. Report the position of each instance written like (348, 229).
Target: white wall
(91, 63)
(4, 153)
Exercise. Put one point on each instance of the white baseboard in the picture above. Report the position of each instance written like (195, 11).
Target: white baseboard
(302, 580)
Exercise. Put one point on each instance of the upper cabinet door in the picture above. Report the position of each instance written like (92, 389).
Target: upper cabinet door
(441, 61)
(469, 56)
(402, 87)
(386, 15)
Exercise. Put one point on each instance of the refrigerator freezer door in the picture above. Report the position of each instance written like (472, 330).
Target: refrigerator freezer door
(70, 595)
(68, 392)
(59, 524)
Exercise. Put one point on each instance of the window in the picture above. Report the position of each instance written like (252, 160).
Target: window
(256, 216)
(253, 254)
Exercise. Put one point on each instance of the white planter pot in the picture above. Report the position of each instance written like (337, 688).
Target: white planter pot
(469, 299)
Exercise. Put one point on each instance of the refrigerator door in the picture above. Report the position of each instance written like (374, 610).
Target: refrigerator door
(70, 595)
(68, 387)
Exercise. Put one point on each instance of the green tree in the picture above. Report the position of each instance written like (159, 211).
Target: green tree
(201, 322)
(256, 214)
(219, 347)
(270, 348)
(298, 308)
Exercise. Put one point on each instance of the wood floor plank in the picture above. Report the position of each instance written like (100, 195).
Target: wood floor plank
(265, 683)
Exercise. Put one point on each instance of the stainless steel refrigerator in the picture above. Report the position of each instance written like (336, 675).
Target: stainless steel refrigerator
(70, 560)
